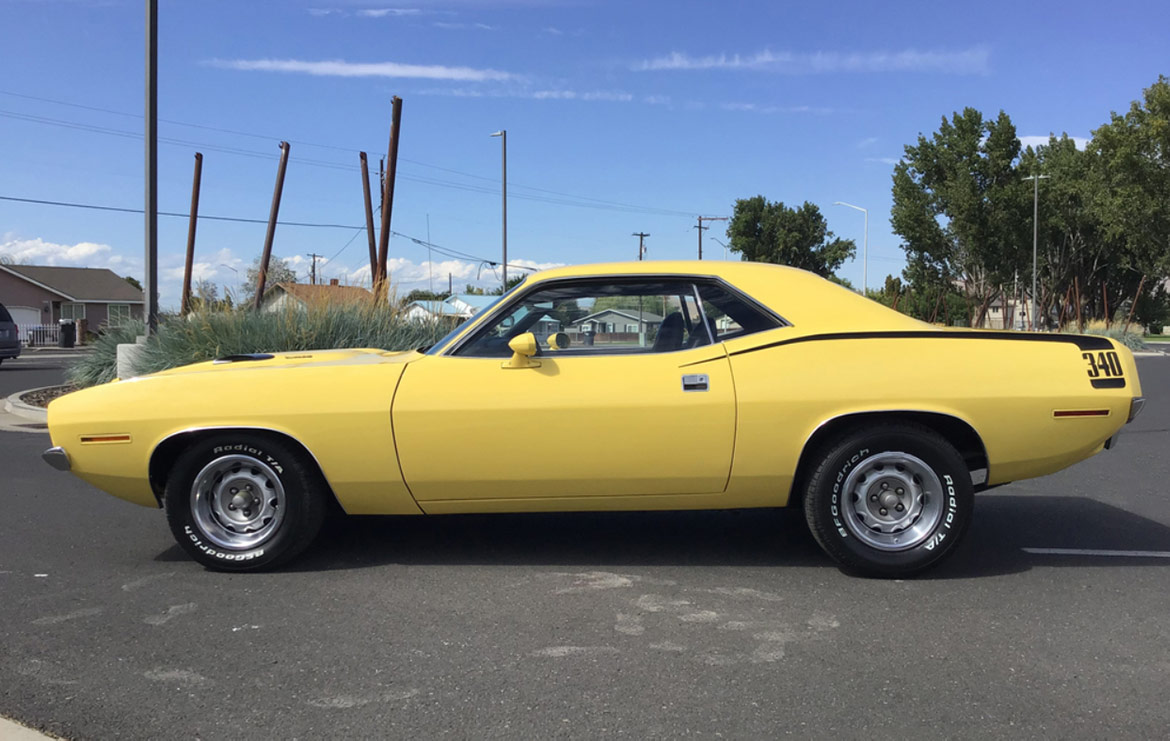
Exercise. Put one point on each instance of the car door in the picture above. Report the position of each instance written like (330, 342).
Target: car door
(603, 410)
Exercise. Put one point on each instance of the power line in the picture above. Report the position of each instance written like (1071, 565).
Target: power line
(446, 251)
(585, 201)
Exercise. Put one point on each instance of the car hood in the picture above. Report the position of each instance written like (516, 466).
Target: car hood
(259, 362)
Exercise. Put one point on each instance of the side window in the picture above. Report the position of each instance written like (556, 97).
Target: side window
(730, 315)
(598, 318)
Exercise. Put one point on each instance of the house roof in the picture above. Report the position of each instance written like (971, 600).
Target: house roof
(474, 300)
(631, 314)
(79, 284)
(308, 293)
(439, 308)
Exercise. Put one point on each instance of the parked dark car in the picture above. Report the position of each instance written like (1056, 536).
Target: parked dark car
(9, 336)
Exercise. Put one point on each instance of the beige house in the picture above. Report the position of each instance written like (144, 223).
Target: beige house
(298, 296)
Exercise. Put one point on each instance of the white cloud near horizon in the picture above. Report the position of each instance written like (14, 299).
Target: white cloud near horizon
(383, 12)
(82, 254)
(973, 61)
(884, 160)
(757, 108)
(1042, 141)
(342, 68)
(614, 96)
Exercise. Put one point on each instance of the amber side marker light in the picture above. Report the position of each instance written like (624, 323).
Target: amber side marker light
(104, 439)
(1081, 413)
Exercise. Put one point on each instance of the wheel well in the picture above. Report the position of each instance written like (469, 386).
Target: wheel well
(164, 456)
(954, 430)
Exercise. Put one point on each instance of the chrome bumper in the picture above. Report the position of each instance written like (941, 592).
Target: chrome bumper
(57, 458)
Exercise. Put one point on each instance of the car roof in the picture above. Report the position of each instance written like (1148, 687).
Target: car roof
(802, 298)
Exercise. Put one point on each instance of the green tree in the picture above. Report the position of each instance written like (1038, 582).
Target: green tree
(278, 272)
(132, 281)
(1131, 170)
(421, 294)
(763, 231)
(961, 208)
(499, 290)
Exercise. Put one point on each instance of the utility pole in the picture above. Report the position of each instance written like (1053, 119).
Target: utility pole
(1035, 239)
(369, 215)
(641, 236)
(503, 134)
(313, 268)
(388, 197)
(271, 233)
(185, 307)
(702, 229)
(150, 278)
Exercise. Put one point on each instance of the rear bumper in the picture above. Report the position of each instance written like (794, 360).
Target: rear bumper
(9, 351)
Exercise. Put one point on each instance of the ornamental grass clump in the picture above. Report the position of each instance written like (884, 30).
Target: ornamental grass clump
(1131, 339)
(100, 365)
(202, 336)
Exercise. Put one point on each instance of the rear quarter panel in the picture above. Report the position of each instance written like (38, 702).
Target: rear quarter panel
(1006, 389)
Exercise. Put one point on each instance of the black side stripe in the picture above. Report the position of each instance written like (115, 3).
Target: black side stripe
(1081, 341)
(1108, 383)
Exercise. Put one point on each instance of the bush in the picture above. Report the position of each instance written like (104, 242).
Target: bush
(101, 364)
(1131, 339)
(207, 335)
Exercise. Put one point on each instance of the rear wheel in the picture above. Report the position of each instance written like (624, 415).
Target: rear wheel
(243, 502)
(890, 500)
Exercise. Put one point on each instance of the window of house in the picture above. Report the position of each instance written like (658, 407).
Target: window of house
(119, 314)
(72, 311)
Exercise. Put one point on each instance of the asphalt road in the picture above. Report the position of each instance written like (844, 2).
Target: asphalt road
(33, 370)
(625, 625)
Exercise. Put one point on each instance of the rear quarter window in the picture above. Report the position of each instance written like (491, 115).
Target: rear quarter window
(4, 315)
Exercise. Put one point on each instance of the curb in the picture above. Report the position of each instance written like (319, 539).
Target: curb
(12, 730)
(13, 405)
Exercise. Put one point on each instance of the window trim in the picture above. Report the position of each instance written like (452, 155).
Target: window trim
(73, 305)
(110, 313)
(485, 318)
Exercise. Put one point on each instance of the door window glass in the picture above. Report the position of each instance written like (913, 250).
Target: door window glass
(595, 318)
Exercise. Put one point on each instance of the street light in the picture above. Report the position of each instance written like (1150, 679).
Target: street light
(236, 282)
(503, 134)
(720, 241)
(1035, 212)
(865, 246)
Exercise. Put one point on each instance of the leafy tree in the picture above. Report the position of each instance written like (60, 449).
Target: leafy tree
(763, 231)
(961, 207)
(132, 281)
(421, 294)
(278, 272)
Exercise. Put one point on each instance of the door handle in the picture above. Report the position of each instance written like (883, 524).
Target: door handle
(695, 382)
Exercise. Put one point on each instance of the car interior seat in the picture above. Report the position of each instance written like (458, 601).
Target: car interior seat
(670, 333)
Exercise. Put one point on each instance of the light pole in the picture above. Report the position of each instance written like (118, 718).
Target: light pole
(236, 282)
(864, 248)
(503, 134)
(724, 244)
(1035, 234)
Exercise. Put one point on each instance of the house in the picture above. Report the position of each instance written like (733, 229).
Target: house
(616, 321)
(459, 306)
(420, 311)
(38, 296)
(285, 296)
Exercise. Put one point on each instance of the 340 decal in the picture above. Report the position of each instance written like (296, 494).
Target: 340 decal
(1103, 364)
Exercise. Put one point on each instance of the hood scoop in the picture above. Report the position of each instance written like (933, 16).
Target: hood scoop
(243, 357)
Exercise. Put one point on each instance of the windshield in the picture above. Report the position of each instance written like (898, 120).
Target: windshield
(436, 348)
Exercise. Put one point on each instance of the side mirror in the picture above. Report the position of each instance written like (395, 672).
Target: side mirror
(558, 341)
(523, 347)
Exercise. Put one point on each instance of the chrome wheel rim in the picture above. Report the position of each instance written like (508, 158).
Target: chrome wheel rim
(892, 501)
(237, 501)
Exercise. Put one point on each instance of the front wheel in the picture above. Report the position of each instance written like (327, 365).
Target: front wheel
(243, 502)
(890, 500)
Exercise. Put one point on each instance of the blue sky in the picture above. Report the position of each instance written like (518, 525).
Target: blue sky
(621, 116)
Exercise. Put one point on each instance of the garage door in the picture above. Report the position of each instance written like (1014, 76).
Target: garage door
(24, 316)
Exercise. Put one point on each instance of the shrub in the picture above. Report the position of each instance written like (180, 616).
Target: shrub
(207, 335)
(1131, 339)
(100, 365)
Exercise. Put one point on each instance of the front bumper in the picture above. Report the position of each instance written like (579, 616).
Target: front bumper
(57, 458)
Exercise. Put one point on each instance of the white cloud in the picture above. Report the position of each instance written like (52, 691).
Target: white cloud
(1042, 141)
(83, 254)
(342, 68)
(757, 108)
(460, 26)
(869, 141)
(614, 96)
(407, 275)
(884, 160)
(965, 61)
(322, 12)
(383, 12)
(552, 31)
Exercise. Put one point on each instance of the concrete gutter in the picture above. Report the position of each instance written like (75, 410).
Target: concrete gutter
(11, 730)
(13, 405)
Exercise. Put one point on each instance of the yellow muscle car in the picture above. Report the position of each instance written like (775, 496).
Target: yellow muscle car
(635, 386)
